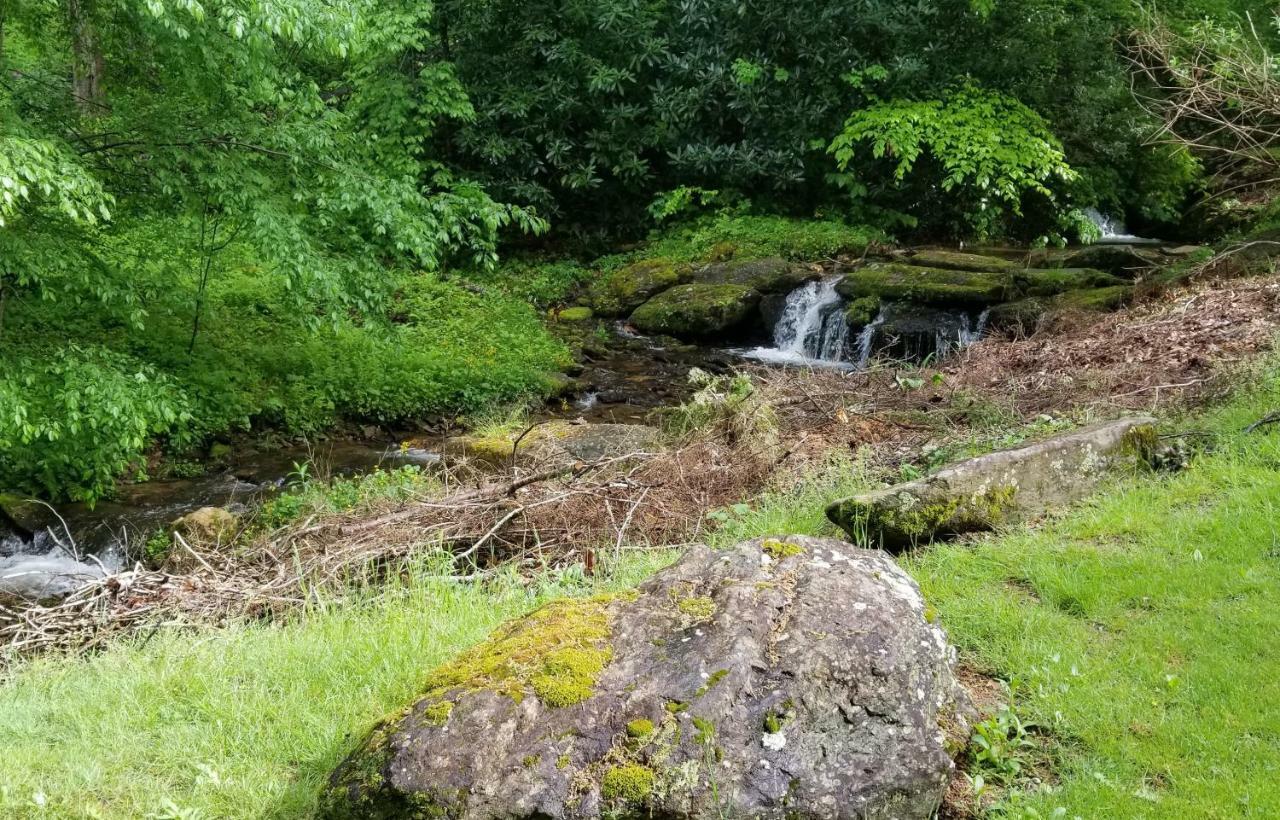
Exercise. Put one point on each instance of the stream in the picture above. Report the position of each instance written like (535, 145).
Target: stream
(621, 381)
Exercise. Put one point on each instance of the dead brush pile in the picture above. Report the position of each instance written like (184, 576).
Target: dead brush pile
(737, 434)
(550, 511)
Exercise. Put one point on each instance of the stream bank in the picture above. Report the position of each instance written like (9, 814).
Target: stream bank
(913, 306)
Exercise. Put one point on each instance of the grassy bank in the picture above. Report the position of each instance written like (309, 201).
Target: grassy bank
(1137, 633)
(247, 721)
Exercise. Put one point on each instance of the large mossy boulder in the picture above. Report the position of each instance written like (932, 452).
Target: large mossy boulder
(697, 311)
(781, 678)
(624, 290)
(1025, 315)
(957, 260)
(930, 286)
(1052, 281)
(1005, 487)
(764, 275)
(1121, 260)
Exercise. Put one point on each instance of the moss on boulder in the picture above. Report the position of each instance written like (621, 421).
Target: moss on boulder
(578, 313)
(764, 275)
(932, 286)
(1050, 282)
(862, 311)
(1025, 315)
(1005, 487)
(956, 260)
(743, 715)
(697, 311)
(624, 290)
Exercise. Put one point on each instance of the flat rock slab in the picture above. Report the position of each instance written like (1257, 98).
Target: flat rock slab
(1005, 487)
(781, 678)
(958, 260)
(929, 286)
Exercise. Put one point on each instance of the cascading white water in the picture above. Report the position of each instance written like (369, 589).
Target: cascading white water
(868, 336)
(812, 327)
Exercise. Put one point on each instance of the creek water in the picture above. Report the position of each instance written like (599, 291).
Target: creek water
(811, 329)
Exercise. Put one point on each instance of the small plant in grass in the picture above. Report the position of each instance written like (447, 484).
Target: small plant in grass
(999, 746)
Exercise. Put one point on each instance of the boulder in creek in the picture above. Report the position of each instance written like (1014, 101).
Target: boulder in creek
(1024, 316)
(771, 275)
(1122, 260)
(697, 311)
(207, 525)
(1004, 487)
(624, 290)
(558, 440)
(1051, 281)
(930, 286)
(781, 678)
(956, 260)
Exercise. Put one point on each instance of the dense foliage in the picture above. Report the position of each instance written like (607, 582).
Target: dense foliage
(222, 214)
(592, 108)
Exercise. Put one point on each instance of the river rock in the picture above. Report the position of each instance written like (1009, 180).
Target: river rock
(207, 525)
(781, 678)
(956, 260)
(25, 515)
(931, 286)
(1122, 260)
(1051, 281)
(697, 311)
(999, 488)
(626, 289)
(559, 441)
(1024, 316)
(764, 275)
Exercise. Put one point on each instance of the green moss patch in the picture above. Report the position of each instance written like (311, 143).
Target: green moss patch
(640, 728)
(557, 652)
(628, 783)
(697, 311)
(930, 286)
(698, 608)
(627, 288)
(779, 550)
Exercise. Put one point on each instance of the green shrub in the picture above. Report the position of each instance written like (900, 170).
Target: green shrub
(76, 418)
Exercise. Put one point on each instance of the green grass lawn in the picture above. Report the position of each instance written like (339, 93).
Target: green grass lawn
(243, 722)
(1139, 633)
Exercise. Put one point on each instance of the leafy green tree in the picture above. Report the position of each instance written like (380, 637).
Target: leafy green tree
(971, 156)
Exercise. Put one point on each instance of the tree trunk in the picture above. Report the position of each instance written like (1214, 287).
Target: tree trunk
(86, 58)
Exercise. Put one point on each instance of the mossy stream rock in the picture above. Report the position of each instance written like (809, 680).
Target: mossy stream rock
(697, 311)
(782, 678)
(1024, 315)
(956, 260)
(626, 289)
(764, 275)
(557, 441)
(1050, 281)
(930, 286)
(1005, 487)
(1121, 260)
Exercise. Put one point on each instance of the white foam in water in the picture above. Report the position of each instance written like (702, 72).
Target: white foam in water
(1113, 230)
(812, 329)
(868, 336)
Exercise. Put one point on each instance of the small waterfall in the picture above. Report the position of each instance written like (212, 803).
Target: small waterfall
(868, 336)
(1113, 230)
(812, 327)
(812, 324)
